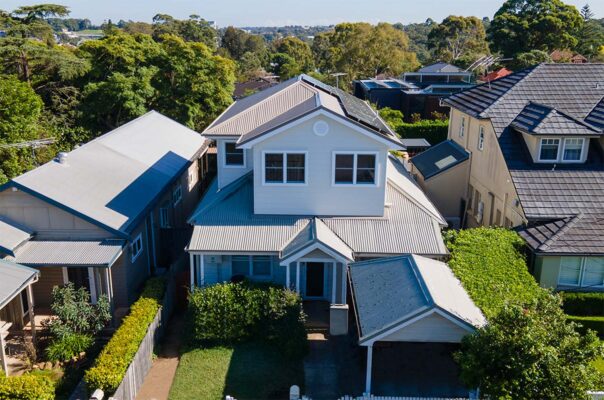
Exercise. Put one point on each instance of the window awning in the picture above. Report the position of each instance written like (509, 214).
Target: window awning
(12, 236)
(15, 278)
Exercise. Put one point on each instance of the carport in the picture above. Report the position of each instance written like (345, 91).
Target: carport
(409, 299)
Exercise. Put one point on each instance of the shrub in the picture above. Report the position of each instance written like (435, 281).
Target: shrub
(111, 365)
(596, 324)
(26, 387)
(62, 349)
(434, 131)
(583, 304)
(490, 264)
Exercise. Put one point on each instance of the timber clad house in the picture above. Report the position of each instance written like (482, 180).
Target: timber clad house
(526, 152)
(108, 214)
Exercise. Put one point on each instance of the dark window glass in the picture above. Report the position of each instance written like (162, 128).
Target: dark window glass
(240, 265)
(273, 164)
(233, 155)
(261, 265)
(365, 168)
(549, 149)
(344, 168)
(295, 168)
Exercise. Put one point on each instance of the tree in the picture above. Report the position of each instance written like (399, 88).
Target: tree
(521, 26)
(418, 38)
(459, 40)
(194, 29)
(529, 59)
(394, 118)
(591, 34)
(530, 352)
(285, 66)
(298, 51)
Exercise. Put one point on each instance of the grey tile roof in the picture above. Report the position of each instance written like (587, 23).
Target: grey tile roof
(538, 119)
(439, 158)
(37, 253)
(415, 142)
(263, 112)
(596, 116)
(12, 235)
(388, 292)
(15, 278)
(225, 222)
(113, 179)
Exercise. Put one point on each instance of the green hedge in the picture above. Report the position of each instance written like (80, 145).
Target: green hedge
(583, 304)
(111, 365)
(26, 387)
(434, 131)
(490, 264)
(594, 323)
(234, 312)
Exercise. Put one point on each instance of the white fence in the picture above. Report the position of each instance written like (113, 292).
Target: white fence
(596, 395)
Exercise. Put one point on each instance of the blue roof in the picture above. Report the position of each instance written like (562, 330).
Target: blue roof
(439, 158)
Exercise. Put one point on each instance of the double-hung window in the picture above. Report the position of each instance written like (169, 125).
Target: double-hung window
(573, 149)
(233, 157)
(355, 169)
(549, 149)
(136, 247)
(581, 271)
(254, 266)
(462, 127)
(285, 167)
(481, 138)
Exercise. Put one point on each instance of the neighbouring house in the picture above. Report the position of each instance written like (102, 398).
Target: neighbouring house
(409, 299)
(108, 214)
(306, 185)
(416, 92)
(535, 162)
(243, 89)
(493, 76)
(415, 146)
(567, 56)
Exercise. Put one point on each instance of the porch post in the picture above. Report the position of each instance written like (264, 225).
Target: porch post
(65, 276)
(287, 277)
(334, 278)
(91, 280)
(3, 354)
(298, 277)
(107, 288)
(202, 270)
(344, 283)
(369, 366)
(192, 270)
(30, 311)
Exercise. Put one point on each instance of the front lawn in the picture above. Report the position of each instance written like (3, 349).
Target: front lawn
(252, 370)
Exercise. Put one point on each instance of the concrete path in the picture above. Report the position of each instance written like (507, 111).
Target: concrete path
(320, 369)
(159, 379)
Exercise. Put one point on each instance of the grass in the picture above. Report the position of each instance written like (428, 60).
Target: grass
(245, 371)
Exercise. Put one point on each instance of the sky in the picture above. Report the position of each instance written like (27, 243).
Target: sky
(283, 12)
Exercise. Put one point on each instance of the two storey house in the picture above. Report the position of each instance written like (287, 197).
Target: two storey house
(526, 152)
(306, 185)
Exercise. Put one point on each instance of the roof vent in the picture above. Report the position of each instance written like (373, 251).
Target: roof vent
(599, 85)
(62, 157)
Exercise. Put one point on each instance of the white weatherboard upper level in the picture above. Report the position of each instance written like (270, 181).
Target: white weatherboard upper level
(312, 149)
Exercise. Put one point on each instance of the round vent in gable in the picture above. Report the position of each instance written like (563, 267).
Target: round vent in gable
(321, 128)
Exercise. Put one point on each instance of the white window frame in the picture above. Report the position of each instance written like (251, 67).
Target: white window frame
(284, 182)
(177, 195)
(164, 217)
(481, 138)
(581, 279)
(541, 146)
(462, 127)
(354, 183)
(136, 247)
(224, 156)
(582, 140)
(583, 265)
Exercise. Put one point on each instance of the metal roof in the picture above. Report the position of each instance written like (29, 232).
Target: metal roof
(388, 292)
(263, 112)
(15, 278)
(316, 232)
(439, 158)
(440, 67)
(12, 235)
(225, 222)
(40, 253)
(112, 180)
(415, 142)
(539, 119)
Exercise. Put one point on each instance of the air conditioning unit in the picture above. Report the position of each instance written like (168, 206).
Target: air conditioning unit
(215, 259)
(479, 212)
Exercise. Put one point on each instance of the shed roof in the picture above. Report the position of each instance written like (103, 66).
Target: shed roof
(15, 278)
(113, 179)
(93, 253)
(415, 142)
(439, 158)
(391, 291)
(12, 235)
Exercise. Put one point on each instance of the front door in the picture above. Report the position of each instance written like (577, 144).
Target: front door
(315, 279)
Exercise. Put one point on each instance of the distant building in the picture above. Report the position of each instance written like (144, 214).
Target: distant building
(243, 89)
(416, 92)
(493, 76)
(567, 56)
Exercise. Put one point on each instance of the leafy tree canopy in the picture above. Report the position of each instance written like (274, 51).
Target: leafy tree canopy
(591, 34)
(529, 59)
(459, 40)
(298, 51)
(193, 29)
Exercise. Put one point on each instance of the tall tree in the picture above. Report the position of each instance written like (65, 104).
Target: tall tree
(591, 34)
(418, 38)
(193, 29)
(524, 25)
(298, 50)
(459, 40)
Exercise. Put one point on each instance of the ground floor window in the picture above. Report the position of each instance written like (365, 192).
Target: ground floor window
(252, 266)
(581, 271)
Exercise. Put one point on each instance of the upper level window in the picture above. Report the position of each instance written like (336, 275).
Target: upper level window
(462, 127)
(573, 149)
(481, 138)
(136, 247)
(355, 168)
(233, 156)
(549, 149)
(177, 195)
(285, 168)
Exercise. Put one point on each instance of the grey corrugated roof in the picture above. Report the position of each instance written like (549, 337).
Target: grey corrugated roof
(317, 232)
(390, 291)
(225, 221)
(440, 67)
(113, 179)
(37, 253)
(12, 235)
(439, 158)
(258, 114)
(538, 119)
(415, 142)
(14, 278)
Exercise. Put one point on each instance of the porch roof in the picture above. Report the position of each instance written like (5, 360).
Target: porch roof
(316, 233)
(12, 236)
(93, 253)
(15, 278)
